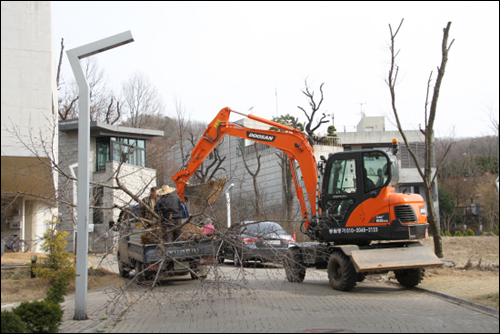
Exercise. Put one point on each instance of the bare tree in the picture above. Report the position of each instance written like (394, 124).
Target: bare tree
(141, 99)
(426, 171)
(314, 105)
(254, 175)
(287, 186)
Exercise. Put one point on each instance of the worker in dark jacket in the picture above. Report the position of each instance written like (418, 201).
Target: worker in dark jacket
(168, 207)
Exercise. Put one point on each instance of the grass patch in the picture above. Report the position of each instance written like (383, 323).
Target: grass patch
(17, 286)
(490, 299)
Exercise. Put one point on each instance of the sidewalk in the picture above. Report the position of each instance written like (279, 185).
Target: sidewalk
(102, 310)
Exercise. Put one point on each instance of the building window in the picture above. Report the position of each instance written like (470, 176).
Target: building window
(102, 152)
(128, 150)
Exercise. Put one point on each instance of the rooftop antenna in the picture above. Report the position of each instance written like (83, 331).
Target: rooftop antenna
(362, 113)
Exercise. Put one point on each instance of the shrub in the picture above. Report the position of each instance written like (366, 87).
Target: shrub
(458, 234)
(442, 233)
(11, 323)
(448, 234)
(57, 263)
(469, 233)
(40, 316)
(58, 290)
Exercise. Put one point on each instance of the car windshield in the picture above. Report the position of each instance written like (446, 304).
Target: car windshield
(263, 228)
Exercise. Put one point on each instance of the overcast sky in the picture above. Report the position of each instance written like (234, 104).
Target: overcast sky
(209, 55)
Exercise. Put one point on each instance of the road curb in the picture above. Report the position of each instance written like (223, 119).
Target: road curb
(454, 299)
(461, 301)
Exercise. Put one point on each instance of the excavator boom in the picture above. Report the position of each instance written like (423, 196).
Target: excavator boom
(290, 140)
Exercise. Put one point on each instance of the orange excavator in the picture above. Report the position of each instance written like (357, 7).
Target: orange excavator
(350, 208)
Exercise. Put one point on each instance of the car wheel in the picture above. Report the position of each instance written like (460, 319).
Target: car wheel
(341, 272)
(295, 269)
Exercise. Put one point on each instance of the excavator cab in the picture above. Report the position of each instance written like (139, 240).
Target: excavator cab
(352, 177)
(358, 201)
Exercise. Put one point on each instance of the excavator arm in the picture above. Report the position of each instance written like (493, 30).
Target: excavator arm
(291, 141)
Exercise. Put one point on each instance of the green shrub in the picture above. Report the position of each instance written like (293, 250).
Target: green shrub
(481, 233)
(458, 234)
(11, 323)
(448, 234)
(469, 233)
(57, 263)
(442, 233)
(58, 290)
(40, 316)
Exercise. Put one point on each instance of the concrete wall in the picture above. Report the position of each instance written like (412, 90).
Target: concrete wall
(371, 123)
(28, 73)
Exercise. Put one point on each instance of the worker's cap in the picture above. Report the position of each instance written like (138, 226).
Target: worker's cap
(165, 190)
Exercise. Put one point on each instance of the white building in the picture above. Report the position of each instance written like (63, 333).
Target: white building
(28, 119)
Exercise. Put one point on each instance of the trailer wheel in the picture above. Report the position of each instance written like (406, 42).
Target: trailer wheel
(410, 278)
(341, 272)
(294, 267)
(138, 274)
(121, 268)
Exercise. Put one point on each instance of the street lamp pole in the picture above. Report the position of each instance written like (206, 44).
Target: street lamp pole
(74, 56)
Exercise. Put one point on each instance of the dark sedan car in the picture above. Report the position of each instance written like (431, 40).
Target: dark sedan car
(257, 241)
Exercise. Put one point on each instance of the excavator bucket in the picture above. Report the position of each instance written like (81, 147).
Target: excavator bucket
(205, 193)
(383, 259)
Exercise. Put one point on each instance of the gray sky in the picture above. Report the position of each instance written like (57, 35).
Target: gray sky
(210, 55)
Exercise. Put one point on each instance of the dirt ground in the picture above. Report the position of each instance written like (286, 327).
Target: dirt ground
(474, 276)
(17, 286)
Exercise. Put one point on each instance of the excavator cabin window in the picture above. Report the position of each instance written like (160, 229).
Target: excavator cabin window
(343, 177)
(342, 181)
(375, 170)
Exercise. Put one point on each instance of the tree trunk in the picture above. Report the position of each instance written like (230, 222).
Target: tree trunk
(433, 222)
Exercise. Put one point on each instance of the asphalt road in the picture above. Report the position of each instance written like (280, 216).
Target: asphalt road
(261, 300)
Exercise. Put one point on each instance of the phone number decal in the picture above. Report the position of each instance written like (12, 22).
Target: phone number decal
(353, 230)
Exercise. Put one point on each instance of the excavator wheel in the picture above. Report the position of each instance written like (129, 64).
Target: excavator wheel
(294, 267)
(410, 278)
(360, 277)
(341, 272)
